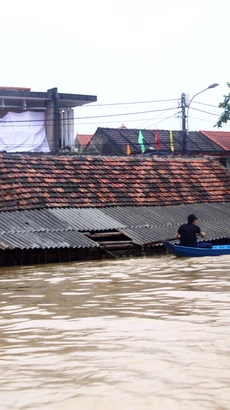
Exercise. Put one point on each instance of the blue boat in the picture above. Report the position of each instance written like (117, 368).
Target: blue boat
(178, 250)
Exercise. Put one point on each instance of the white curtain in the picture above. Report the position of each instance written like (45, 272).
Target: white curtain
(23, 132)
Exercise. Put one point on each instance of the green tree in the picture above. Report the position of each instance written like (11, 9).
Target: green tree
(225, 116)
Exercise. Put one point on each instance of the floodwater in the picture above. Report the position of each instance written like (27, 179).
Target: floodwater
(148, 333)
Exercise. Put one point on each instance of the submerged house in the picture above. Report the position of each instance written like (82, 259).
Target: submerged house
(62, 208)
(35, 121)
(114, 142)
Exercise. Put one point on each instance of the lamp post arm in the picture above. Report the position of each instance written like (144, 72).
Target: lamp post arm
(188, 106)
(196, 95)
(214, 85)
(185, 129)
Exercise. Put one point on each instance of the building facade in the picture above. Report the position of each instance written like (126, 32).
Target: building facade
(56, 114)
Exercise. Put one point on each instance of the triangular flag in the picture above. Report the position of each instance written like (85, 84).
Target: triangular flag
(128, 150)
(171, 141)
(158, 140)
(141, 141)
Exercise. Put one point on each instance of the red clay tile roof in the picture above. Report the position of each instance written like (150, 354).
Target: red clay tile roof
(221, 138)
(28, 182)
(84, 139)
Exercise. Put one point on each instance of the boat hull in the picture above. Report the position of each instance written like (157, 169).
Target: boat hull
(178, 250)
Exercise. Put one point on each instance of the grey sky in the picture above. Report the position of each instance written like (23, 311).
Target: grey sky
(121, 51)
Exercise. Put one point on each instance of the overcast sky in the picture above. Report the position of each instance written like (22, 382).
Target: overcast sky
(121, 51)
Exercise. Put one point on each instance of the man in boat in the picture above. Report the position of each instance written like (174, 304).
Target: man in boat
(188, 232)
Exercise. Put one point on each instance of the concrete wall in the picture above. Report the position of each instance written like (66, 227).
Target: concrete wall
(52, 118)
(49, 121)
(67, 128)
(59, 124)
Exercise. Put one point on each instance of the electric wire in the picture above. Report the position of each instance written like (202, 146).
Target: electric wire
(73, 144)
(128, 103)
(163, 119)
(126, 114)
(201, 119)
(206, 112)
(208, 105)
(153, 118)
(2, 122)
(92, 116)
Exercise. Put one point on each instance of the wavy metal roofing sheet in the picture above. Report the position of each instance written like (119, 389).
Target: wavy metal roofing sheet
(142, 235)
(45, 240)
(31, 221)
(61, 227)
(87, 219)
(167, 215)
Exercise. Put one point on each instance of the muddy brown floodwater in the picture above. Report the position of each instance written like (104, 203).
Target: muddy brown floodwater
(149, 333)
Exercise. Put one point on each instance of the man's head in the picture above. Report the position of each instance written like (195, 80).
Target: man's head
(192, 218)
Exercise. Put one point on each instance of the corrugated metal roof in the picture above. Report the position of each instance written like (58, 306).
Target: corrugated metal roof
(39, 229)
(87, 219)
(167, 215)
(142, 235)
(45, 240)
(214, 220)
(31, 221)
(55, 228)
(145, 234)
(92, 219)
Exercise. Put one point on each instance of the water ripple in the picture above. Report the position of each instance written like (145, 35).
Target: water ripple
(128, 334)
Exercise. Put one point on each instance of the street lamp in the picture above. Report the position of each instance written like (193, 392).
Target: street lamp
(185, 130)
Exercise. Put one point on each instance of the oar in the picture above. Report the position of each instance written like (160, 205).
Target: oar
(156, 242)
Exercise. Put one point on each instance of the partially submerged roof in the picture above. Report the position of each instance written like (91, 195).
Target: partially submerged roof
(39, 230)
(221, 138)
(40, 181)
(65, 228)
(24, 98)
(114, 141)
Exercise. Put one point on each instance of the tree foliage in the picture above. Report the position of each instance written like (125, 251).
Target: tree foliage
(225, 116)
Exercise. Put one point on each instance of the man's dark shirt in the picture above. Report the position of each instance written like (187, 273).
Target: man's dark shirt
(188, 234)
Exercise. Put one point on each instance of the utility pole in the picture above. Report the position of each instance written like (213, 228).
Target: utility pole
(185, 125)
(184, 130)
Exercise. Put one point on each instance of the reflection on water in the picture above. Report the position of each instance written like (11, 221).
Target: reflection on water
(131, 334)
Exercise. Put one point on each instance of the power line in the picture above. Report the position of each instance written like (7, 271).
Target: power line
(89, 117)
(2, 146)
(100, 123)
(206, 112)
(128, 103)
(126, 113)
(151, 119)
(208, 105)
(116, 122)
(110, 122)
(163, 119)
(117, 114)
(201, 119)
